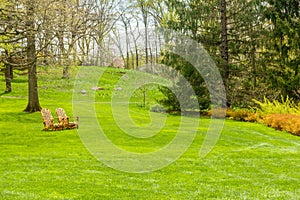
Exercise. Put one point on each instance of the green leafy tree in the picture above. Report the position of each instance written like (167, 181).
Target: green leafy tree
(18, 37)
(7, 44)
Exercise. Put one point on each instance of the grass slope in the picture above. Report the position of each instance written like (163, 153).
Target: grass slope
(250, 161)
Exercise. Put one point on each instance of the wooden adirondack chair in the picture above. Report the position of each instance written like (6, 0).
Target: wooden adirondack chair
(64, 120)
(48, 121)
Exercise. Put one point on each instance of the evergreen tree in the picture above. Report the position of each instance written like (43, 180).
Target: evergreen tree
(282, 30)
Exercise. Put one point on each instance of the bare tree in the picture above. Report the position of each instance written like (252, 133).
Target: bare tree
(104, 17)
(142, 4)
(135, 35)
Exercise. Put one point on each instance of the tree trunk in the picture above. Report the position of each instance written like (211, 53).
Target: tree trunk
(136, 58)
(33, 99)
(146, 39)
(224, 34)
(61, 47)
(46, 48)
(224, 47)
(151, 55)
(127, 60)
(66, 71)
(145, 21)
(127, 44)
(8, 77)
(132, 59)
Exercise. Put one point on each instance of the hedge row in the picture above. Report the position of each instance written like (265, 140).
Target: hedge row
(287, 122)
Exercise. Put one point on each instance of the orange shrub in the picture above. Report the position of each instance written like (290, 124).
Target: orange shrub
(287, 122)
(244, 115)
(239, 115)
(253, 117)
(218, 112)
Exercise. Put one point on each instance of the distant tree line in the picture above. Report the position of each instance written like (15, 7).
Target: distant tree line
(254, 43)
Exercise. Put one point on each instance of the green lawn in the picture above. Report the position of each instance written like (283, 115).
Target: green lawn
(249, 161)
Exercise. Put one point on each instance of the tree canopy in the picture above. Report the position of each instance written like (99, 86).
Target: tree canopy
(255, 43)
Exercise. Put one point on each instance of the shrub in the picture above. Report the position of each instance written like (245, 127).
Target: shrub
(170, 100)
(244, 115)
(158, 108)
(218, 112)
(287, 122)
(283, 115)
(253, 117)
(286, 106)
(240, 115)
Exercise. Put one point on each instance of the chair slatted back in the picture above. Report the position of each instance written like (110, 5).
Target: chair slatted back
(48, 119)
(64, 120)
(62, 117)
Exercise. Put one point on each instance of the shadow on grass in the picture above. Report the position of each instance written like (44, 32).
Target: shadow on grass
(16, 80)
(3, 93)
(11, 95)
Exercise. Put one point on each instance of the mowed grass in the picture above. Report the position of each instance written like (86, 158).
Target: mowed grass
(249, 161)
